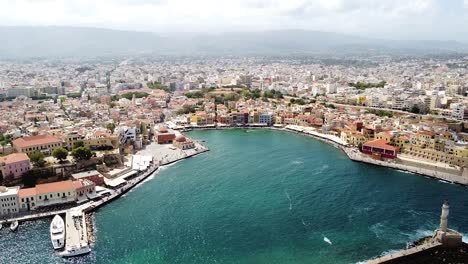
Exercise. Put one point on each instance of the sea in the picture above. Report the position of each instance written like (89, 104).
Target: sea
(258, 196)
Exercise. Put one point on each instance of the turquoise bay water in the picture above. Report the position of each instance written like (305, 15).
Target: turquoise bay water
(258, 196)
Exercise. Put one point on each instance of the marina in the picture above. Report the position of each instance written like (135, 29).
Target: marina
(76, 240)
(182, 210)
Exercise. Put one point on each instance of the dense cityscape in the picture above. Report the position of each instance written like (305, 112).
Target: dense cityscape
(83, 133)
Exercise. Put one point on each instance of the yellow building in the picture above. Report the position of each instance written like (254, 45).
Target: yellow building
(436, 156)
(101, 139)
(385, 136)
(40, 143)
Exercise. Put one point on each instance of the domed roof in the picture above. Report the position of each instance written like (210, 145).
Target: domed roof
(180, 138)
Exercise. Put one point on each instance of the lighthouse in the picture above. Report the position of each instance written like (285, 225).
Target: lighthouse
(444, 217)
(447, 237)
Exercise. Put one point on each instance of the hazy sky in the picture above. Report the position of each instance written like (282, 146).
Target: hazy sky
(397, 19)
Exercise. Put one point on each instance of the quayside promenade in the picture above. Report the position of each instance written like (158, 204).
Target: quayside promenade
(437, 171)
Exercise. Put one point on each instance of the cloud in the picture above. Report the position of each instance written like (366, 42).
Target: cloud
(396, 18)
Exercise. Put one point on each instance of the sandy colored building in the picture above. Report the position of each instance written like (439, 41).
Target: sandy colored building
(47, 194)
(42, 143)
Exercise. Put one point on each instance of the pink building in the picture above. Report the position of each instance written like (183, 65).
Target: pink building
(14, 165)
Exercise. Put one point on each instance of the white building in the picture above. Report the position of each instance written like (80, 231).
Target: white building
(127, 134)
(9, 203)
(265, 118)
(459, 112)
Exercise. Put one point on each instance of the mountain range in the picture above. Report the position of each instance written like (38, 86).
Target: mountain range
(44, 42)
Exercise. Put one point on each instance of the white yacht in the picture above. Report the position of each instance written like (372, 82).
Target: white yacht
(57, 232)
(14, 226)
(75, 251)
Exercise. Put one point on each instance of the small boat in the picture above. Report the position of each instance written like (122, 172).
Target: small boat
(57, 232)
(14, 226)
(74, 251)
(1, 226)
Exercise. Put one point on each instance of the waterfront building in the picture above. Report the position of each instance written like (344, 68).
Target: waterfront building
(14, 165)
(9, 203)
(183, 143)
(85, 189)
(47, 194)
(92, 175)
(379, 148)
(164, 136)
(43, 143)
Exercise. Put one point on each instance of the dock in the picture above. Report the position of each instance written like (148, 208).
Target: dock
(76, 235)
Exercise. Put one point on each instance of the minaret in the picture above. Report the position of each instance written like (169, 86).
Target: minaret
(444, 216)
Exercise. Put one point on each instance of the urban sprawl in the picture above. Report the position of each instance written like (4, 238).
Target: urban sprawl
(72, 132)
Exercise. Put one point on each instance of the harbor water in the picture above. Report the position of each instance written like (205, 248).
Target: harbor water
(258, 196)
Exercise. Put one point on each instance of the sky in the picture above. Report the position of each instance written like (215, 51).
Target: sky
(393, 19)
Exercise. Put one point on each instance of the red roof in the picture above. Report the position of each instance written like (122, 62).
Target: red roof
(28, 192)
(379, 143)
(61, 186)
(35, 141)
(15, 157)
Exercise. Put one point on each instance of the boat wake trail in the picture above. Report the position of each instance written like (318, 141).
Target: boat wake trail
(327, 240)
(289, 198)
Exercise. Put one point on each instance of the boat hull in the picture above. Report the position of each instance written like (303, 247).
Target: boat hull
(57, 232)
(75, 252)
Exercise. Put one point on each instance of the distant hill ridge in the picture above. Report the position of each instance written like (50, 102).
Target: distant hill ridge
(25, 42)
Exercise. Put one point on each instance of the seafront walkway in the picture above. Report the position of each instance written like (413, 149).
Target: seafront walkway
(432, 170)
(445, 174)
(163, 156)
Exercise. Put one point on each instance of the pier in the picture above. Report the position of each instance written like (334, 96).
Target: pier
(76, 240)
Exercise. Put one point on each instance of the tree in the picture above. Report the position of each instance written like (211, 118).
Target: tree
(37, 158)
(111, 127)
(82, 153)
(60, 154)
(78, 144)
(415, 109)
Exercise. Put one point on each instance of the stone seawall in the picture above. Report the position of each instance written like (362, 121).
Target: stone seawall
(403, 253)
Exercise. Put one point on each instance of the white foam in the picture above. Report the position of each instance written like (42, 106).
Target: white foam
(289, 198)
(327, 240)
(443, 181)
(407, 172)
(297, 162)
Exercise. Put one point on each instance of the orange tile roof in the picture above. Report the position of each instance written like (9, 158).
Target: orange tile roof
(427, 133)
(55, 187)
(35, 141)
(379, 143)
(28, 192)
(15, 157)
